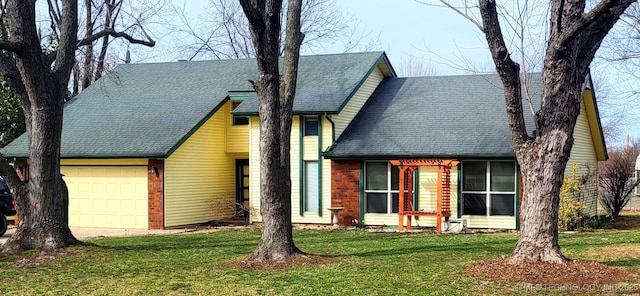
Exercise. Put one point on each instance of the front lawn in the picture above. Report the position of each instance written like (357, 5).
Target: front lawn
(355, 263)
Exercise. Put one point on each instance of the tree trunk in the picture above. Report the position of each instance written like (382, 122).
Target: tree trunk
(276, 242)
(44, 213)
(574, 38)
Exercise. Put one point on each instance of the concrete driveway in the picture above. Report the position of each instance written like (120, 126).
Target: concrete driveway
(84, 233)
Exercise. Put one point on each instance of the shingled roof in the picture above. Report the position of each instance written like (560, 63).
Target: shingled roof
(440, 116)
(148, 110)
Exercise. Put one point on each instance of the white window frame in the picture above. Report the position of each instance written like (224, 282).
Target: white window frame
(388, 191)
(487, 191)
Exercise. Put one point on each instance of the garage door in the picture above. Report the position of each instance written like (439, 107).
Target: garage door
(107, 196)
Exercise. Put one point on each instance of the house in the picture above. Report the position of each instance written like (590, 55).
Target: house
(170, 144)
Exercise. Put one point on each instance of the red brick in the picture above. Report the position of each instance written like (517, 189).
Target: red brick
(155, 185)
(345, 190)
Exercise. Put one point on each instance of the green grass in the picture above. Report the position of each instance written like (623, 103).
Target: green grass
(363, 263)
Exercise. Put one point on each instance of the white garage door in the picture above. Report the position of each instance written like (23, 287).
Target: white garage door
(107, 196)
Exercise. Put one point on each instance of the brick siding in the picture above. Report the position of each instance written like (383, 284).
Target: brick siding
(345, 190)
(156, 193)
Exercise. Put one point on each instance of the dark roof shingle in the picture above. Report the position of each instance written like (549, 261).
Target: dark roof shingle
(440, 116)
(147, 110)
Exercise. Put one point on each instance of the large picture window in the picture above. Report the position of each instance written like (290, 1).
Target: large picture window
(381, 187)
(488, 188)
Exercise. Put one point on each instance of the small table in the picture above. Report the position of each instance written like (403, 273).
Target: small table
(334, 212)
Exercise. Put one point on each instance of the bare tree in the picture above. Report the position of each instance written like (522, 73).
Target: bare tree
(104, 15)
(574, 38)
(224, 32)
(616, 181)
(413, 67)
(275, 96)
(574, 35)
(39, 76)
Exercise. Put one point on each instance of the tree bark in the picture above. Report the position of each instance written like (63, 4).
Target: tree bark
(275, 112)
(575, 37)
(43, 214)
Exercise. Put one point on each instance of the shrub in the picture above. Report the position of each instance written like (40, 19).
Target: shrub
(616, 181)
(572, 210)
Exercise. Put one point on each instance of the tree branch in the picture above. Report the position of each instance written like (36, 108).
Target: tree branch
(11, 46)
(605, 13)
(65, 53)
(111, 32)
(508, 70)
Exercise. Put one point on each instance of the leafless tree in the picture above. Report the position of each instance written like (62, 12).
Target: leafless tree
(39, 76)
(574, 35)
(414, 67)
(224, 31)
(93, 59)
(616, 181)
(275, 96)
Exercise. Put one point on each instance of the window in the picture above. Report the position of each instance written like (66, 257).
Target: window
(381, 187)
(310, 126)
(238, 120)
(488, 188)
(311, 186)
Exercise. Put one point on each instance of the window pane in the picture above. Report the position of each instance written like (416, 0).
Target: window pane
(377, 203)
(311, 186)
(474, 176)
(395, 178)
(310, 126)
(502, 204)
(376, 176)
(503, 176)
(474, 204)
(240, 120)
(395, 202)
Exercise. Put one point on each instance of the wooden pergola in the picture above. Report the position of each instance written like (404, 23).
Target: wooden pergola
(443, 205)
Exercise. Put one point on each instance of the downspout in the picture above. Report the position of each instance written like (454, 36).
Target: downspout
(333, 129)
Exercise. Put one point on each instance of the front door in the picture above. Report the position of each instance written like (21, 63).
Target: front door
(242, 187)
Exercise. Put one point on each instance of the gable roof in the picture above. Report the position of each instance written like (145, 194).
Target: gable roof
(439, 116)
(324, 89)
(148, 110)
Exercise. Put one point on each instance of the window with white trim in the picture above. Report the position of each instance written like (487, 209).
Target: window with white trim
(488, 188)
(310, 201)
(381, 187)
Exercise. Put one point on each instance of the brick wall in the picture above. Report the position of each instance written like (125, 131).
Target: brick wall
(345, 189)
(155, 182)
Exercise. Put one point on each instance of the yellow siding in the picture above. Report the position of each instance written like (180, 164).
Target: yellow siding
(295, 166)
(236, 136)
(199, 177)
(310, 151)
(584, 155)
(490, 222)
(106, 195)
(254, 175)
(354, 105)
(115, 161)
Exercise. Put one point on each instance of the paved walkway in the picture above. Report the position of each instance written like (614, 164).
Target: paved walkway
(83, 233)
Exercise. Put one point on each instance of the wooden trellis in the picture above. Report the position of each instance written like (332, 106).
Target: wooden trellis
(405, 204)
